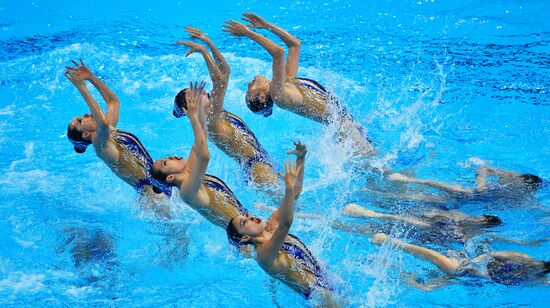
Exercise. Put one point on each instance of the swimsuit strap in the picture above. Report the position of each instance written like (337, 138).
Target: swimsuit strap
(310, 84)
(132, 143)
(217, 184)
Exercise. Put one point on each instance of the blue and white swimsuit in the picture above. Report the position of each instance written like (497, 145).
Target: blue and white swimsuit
(134, 164)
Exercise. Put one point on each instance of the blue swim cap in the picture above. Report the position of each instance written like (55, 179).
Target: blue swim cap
(257, 106)
(79, 145)
(179, 104)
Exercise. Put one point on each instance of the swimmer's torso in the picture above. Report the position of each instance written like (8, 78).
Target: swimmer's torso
(318, 104)
(297, 268)
(216, 202)
(231, 135)
(134, 163)
(316, 101)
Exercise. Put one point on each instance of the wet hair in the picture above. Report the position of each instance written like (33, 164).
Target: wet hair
(233, 235)
(492, 221)
(533, 182)
(75, 137)
(546, 267)
(258, 106)
(159, 181)
(180, 104)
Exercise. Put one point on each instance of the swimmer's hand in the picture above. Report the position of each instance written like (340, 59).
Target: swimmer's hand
(300, 151)
(82, 69)
(255, 21)
(197, 34)
(235, 28)
(193, 47)
(290, 175)
(196, 93)
(75, 76)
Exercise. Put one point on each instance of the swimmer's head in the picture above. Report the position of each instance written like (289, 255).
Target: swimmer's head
(80, 132)
(492, 221)
(532, 182)
(257, 96)
(546, 266)
(180, 103)
(483, 221)
(241, 229)
(515, 269)
(164, 171)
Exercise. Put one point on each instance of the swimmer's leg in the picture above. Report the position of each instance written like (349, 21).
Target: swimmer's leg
(453, 189)
(424, 198)
(519, 242)
(447, 265)
(430, 285)
(481, 179)
(263, 207)
(335, 224)
(355, 210)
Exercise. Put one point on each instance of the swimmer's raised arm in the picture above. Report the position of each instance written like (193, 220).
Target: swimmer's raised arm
(220, 60)
(219, 80)
(75, 76)
(283, 217)
(300, 151)
(113, 103)
(293, 43)
(276, 90)
(190, 186)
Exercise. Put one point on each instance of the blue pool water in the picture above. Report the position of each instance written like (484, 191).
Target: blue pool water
(435, 82)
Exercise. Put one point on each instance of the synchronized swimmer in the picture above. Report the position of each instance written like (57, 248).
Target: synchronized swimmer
(303, 96)
(226, 130)
(205, 193)
(279, 253)
(121, 151)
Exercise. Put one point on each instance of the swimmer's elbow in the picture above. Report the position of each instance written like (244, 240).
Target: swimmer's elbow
(296, 43)
(205, 155)
(278, 52)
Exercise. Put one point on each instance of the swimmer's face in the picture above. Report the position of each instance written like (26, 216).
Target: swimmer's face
(248, 226)
(84, 124)
(258, 88)
(170, 166)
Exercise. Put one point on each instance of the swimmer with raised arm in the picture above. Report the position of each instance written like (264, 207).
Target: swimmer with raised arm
(205, 193)
(509, 185)
(280, 254)
(504, 267)
(121, 151)
(227, 131)
(302, 96)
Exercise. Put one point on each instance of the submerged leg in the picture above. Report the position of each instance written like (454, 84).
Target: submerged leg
(447, 265)
(454, 189)
(355, 210)
(335, 224)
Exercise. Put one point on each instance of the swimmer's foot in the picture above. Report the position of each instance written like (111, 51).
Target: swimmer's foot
(398, 177)
(379, 238)
(354, 210)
